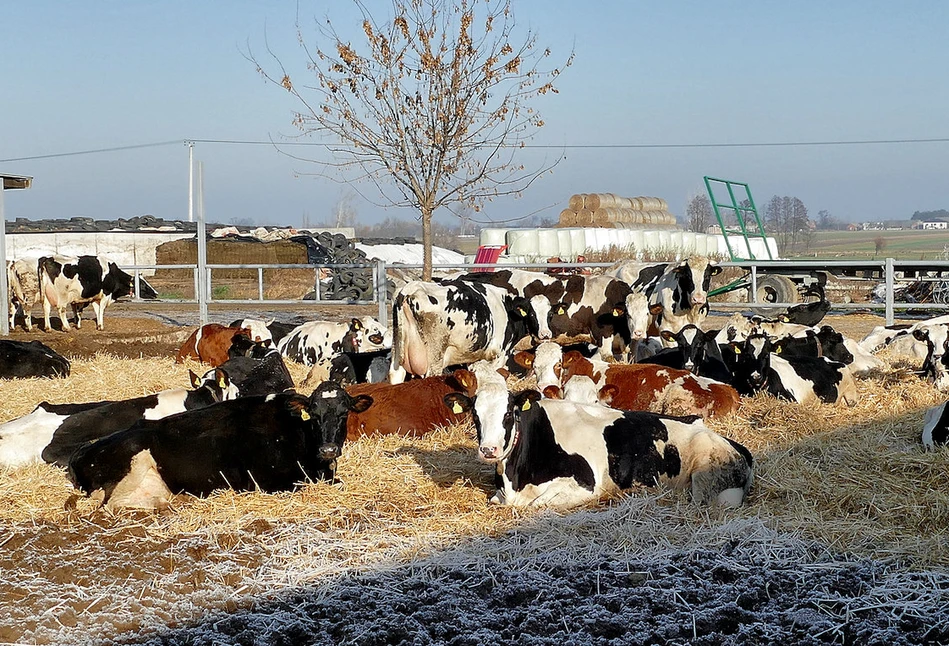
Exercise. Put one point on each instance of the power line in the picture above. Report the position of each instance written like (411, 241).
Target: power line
(94, 151)
(250, 142)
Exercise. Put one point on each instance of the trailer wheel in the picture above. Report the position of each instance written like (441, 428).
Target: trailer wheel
(774, 288)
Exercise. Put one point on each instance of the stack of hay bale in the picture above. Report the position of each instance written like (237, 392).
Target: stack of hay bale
(611, 211)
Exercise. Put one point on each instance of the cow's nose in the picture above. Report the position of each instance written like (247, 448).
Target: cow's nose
(639, 334)
(329, 452)
(698, 299)
(488, 452)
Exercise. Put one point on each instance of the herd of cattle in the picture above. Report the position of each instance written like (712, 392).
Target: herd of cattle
(621, 368)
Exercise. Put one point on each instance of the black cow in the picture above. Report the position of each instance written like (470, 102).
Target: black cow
(52, 432)
(20, 359)
(270, 443)
(88, 280)
(252, 376)
(361, 367)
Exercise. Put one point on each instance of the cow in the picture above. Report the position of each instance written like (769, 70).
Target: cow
(413, 408)
(361, 367)
(936, 364)
(809, 314)
(52, 432)
(681, 288)
(210, 344)
(799, 379)
(268, 443)
(541, 361)
(263, 330)
(594, 308)
(316, 341)
(24, 291)
(22, 359)
(936, 427)
(561, 453)
(694, 351)
(88, 280)
(650, 387)
(452, 323)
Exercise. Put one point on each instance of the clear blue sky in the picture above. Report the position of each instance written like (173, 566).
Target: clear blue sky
(99, 74)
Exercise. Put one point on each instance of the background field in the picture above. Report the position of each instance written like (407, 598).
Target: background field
(902, 245)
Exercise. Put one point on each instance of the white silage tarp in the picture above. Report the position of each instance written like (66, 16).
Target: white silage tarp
(409, 254)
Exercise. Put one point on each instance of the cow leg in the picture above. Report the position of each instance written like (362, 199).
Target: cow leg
(99, 309)
(46, 309)
(76, 311)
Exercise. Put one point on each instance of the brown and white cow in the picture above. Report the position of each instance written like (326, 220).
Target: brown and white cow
(648, 387)
(210, 344)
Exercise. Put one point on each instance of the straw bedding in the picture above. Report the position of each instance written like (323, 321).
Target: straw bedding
(842, 539)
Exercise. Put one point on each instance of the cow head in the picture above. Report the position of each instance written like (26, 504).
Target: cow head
(690, 341)
(752, 361)
(558, 319)
(365, 334)
(694, 278)
(491, 409)
(547, 368)
(217, 383)
(117, 283)
(327, 410)
(639, 314)
(540, 310)
(832, 345)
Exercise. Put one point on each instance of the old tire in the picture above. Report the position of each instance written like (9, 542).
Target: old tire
(774, 288)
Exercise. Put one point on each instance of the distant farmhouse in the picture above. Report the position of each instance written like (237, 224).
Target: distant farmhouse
(929, 224)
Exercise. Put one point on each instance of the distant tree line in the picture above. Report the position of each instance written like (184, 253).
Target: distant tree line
(940, 214)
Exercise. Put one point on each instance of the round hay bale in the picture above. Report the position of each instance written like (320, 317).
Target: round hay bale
(595, 201)
(635, 203)
(653, 204)
(576, 201)
(585, 218)
(568, 218)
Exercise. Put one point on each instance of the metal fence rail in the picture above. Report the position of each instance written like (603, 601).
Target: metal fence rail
(887, 269)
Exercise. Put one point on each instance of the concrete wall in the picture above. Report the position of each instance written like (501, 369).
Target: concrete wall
(124, 249)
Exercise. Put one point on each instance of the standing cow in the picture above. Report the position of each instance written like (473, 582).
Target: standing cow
(77, 284)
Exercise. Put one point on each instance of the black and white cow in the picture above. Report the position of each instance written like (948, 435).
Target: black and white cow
(694, 351)
(77, 284)
(936, 426)
(798, 379)
(595, 307)
(541, 291)
(263, 330)
(452, 323)
(256, 376)
(681, 288)
(21, 359)
(270, 443)
(561, 453)
(52, 432)
(318, 341)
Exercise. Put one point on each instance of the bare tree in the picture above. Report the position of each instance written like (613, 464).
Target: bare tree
(879, 244)
(699, 212)
(433, 108)
(786, 219)
(344, 211)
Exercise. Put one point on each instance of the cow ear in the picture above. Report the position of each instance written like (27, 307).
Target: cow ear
(778, 348)
(553, 392)
(667, 335)
(521, 312)
(524, 358)
(714, 269)
(736, 347)
(558, 369)
(466, 380)
(267, 343)
(360, 403)
(222, 379)
(655, 309)
(784, 318)
(921, 335)
(356, 324)
(504, 372)
(561, 310)
(618, 311)
(596, 376)
(525, 399)
(458, 403)
(195, 380)
(607, 393)
(298, 406)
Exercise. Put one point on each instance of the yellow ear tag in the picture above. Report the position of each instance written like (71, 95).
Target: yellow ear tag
(527, 405)
(304, 415)
(561, 311)
(737, 350)
(221, 382)
(617, 311)
(457, 409)
(777, 350)
(522, 311)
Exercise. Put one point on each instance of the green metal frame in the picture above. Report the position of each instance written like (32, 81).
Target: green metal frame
(741, 213)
